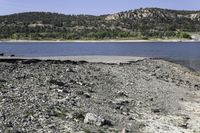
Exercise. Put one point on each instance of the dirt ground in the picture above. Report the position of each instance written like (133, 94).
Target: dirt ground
(144, 96)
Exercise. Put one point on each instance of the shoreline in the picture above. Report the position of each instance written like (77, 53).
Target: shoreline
(96, 41)
(91, 59)
(101, 59)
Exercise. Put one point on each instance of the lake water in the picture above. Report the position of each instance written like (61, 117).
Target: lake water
(187, 53)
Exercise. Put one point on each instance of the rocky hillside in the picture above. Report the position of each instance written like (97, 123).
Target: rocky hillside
(135, 24)
(153, 13)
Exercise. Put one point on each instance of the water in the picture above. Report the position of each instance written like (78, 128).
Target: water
(187, 53)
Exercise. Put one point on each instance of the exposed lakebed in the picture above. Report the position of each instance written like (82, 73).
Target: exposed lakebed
(147, 96)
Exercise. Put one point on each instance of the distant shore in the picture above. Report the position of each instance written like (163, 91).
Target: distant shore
(110, 40)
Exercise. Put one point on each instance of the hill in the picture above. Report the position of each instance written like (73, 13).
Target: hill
(141, 23)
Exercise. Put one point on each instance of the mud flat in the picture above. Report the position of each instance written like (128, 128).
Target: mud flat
(143, 96)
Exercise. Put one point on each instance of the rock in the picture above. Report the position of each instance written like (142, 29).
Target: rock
(87, 95)
(197, 87)
(155, 110)
(65, 91)
(121, 94)
(2, 80)
(79, 92)
(151, 99)
(120, 104)
(12, 55)
(59, 90)
(120, 101)
(91, 118)
(80, 83)
(78, 116)
(91, 91)
(70, 70)
(125, 110)
(185, 126)
(81, 132)
(182, 99)
(1, 54)
(72, 81)
(55, 82)
(124, 130)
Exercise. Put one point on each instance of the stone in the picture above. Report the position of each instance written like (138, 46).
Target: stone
(55, 82)
(87, 95)
(79, 92)
(70, 70)
(65, 91)
(3, 80)
(93, 119)
(156, 110)
(121, 94)
(120, 101)
(78, 116)
(81, 132)
(197, 87)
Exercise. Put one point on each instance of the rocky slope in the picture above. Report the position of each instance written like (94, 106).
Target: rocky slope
(155, 13)
(145, 96)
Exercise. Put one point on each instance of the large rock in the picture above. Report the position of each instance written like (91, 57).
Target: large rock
(94, 120)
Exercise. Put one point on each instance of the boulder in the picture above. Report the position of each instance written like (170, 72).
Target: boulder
(93, 119)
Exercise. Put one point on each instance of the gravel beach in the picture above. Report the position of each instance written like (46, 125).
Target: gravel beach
(63, 96)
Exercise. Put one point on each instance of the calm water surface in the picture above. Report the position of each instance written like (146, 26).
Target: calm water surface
(188, 53)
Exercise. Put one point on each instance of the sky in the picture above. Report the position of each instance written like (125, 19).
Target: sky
(91, 7)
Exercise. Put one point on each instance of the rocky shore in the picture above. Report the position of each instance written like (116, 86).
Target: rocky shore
(144, 96)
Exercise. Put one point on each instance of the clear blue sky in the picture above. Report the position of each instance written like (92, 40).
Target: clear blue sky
(93, 7)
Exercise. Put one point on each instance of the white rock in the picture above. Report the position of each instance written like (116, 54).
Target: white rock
(93, 119)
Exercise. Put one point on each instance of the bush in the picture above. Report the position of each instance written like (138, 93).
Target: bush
(183, 35)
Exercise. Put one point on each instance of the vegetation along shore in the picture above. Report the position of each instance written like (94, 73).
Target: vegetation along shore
(109, 40)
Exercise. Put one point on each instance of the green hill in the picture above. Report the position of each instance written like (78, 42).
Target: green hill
(134, 24)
